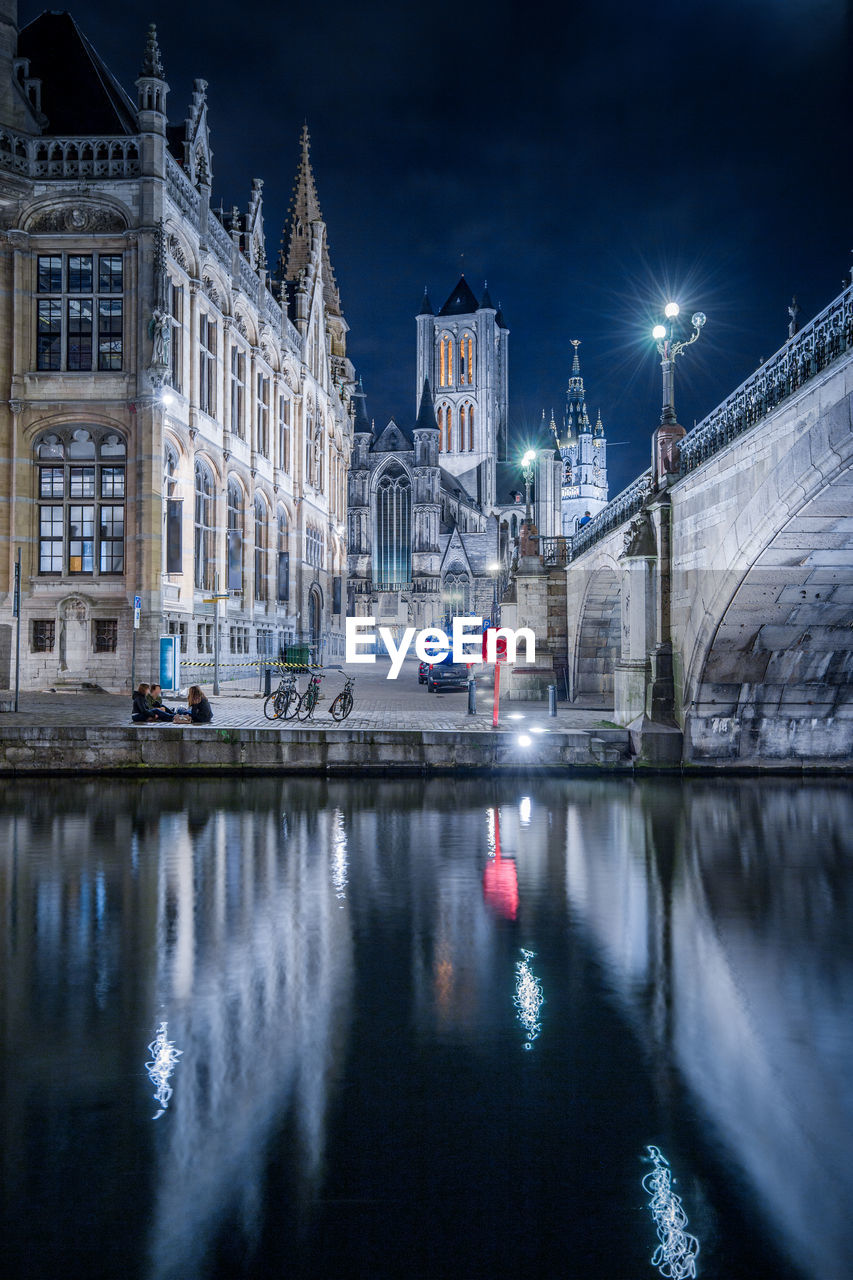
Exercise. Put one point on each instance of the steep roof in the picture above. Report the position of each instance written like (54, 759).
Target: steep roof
(461, 301)
(79, 95)
(426, 413)
(296, 239)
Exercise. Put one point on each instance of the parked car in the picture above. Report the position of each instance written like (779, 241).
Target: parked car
(444, 676)
(423, 671)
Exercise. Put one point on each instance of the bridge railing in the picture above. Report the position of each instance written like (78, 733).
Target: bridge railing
(803, 356)
(622, 507)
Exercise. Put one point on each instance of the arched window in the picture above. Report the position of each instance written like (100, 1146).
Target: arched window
(261, 544)
(456, 590)
(445, 361)
(392, 540)
(81, 492)
(470, 428)
(513, 526)
(466, 371)
(203, 550)
(235, 535)
(283, 557)
(172, 513)
(448, 429)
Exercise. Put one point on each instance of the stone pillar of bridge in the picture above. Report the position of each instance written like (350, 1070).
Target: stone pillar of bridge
(632, 672)
(644, 684)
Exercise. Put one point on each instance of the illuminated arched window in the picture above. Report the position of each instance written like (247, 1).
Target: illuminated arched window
(392, 541)
(261, 541)
(466, 350)
(455, 593)
(439, 417)
(203, 552)
(235, 536)
(283, 558)
(470, 428)
(445, 361)
(448, 428)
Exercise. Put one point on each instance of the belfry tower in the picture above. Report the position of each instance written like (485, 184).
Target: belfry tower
(462, 354)
(583, 450)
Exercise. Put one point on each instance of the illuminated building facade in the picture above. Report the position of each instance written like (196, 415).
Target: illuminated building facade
(172, 418)
(583, 450)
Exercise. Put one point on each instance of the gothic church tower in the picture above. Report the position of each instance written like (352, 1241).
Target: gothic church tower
(462, 354)
(583, 450)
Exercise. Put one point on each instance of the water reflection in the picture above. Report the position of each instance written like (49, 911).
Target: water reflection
(164, 1059)
(335, 962)
(677, 1251)
(528, 997)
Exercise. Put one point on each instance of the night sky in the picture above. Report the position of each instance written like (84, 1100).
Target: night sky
(587, 160)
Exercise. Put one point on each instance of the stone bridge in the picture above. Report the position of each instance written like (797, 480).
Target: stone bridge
(711, 603)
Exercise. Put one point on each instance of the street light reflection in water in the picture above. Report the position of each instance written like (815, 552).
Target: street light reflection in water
(528, 997)
(164, 1059)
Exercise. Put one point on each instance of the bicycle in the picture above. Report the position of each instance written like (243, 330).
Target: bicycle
(342, 705)
(310, 697)
(283, 702)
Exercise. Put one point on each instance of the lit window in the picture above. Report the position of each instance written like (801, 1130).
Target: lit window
(83, 311)
(238, 391)
(284, 433)
(176, 346)
(445, 362)
(261, 532)
(263, 390)
(466, 374)
(207, 365)
(203, 551)
(78, 502)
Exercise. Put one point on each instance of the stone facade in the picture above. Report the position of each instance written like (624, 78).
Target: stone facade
(172, 420)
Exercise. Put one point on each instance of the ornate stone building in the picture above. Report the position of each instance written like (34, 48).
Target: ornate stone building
(583, 451)
(424, 537)
(172, 420)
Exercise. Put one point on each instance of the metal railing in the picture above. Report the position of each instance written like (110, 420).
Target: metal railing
(621, 508)
(803, 356)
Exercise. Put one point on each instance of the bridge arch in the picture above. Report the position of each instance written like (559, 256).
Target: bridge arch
(770, 672)
(598, 635)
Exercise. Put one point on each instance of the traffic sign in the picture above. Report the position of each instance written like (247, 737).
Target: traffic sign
(137, 611)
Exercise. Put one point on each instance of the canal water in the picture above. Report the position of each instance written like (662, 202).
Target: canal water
(587, 1028)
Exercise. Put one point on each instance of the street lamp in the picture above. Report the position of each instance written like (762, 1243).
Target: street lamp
(494, 569)
(527, 471)
(669, 348)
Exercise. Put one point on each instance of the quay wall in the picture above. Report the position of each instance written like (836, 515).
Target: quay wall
(34, 749)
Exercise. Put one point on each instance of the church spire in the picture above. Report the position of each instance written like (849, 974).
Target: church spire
(297, 240)
(361, 425)
(152, 64)
(426, 414)
(576, 414)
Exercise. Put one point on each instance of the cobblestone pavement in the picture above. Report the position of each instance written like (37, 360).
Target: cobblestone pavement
(379, 704)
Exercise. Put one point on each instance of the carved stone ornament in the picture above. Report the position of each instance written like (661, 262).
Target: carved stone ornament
(77, 217)
(639, 537)
(73, 609)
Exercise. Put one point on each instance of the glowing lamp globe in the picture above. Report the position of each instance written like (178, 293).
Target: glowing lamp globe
(699, 318)
(528, 458)
(671, 310)
(659, 331)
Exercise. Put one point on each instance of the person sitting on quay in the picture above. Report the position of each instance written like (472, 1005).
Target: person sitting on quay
(156, 709)
(199, 710)
(141, 712)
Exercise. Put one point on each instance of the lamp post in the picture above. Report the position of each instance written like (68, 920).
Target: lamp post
(527, 471)
(669, 349)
